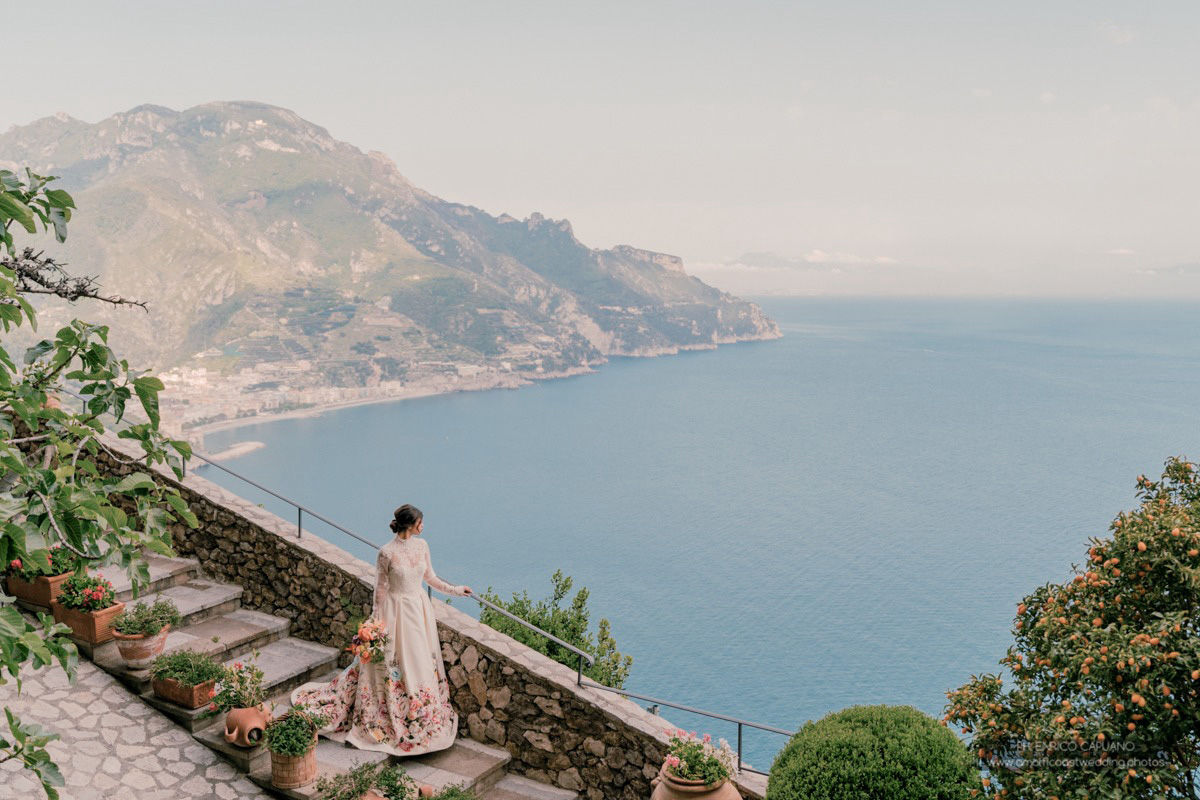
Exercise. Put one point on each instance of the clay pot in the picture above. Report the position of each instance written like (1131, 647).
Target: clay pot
(139, 649)
(94, 627)
(292, 772)
(244, 726)
(668, 787)
(41, 591)
(183, 695)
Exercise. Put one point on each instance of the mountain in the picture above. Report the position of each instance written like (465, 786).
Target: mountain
(261, 242)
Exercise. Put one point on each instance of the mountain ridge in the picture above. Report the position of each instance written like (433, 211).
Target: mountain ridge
(261, 241)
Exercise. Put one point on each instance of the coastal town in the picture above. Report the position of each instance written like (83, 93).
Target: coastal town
(199, 399)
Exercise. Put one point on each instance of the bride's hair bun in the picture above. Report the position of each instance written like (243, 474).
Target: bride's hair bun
(405, 517)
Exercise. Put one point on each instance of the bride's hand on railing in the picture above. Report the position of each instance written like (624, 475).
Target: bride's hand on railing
(466, 591)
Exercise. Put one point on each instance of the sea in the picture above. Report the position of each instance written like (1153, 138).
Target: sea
(780, 529)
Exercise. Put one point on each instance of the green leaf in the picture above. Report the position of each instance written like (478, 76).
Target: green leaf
(147, 389)
(12, 624)
(17, 210)
(38, 350)
(138, 480)
(59, 218)
(60, 198)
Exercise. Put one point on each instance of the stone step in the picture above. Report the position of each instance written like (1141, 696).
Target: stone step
(285, 663)
(226, 636)
(466, 763)
(245, 759)
(197, 599)
(518, 787)
(333, 758)
(290, 662)
(281, 702)
(165, 572)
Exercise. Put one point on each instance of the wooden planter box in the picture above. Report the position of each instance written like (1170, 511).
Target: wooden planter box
(41, 591)
(94, 627)
(139, 649)
(181, 695)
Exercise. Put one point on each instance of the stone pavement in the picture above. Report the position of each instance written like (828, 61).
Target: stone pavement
(113, 745)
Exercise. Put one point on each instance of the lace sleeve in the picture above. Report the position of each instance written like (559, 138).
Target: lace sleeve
(433, 580)
(382, 565)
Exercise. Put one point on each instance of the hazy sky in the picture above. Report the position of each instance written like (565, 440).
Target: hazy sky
(899, 147)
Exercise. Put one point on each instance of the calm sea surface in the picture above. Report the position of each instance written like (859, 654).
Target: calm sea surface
(781, 529)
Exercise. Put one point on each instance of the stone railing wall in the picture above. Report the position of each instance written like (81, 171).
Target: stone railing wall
(506, 694)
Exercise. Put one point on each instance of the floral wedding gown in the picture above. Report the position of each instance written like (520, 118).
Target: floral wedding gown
(400, 706)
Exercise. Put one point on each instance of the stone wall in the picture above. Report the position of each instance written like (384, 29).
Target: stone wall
(508, 695)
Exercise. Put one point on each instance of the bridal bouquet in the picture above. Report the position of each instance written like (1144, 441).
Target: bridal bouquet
(369, 643)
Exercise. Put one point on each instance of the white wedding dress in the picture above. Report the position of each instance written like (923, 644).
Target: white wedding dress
(400, 706)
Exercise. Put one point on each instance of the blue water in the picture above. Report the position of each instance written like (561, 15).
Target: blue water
(781, 529)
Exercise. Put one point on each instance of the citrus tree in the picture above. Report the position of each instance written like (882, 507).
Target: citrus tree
(54, 487)
(1105, 667)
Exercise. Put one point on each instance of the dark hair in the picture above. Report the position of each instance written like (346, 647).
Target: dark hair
(405, 517)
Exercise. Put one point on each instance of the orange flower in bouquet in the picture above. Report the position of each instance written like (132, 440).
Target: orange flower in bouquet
(370, 643)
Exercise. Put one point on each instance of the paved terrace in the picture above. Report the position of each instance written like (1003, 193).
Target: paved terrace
(113, 745)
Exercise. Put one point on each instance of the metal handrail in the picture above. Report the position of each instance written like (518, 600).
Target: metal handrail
(582, 655)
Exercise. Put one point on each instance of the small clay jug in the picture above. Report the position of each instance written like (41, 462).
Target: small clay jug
(244, 726)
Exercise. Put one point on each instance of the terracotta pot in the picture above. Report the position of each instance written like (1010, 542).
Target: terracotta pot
(91, 626)
(41, 591)
(668, 787)
(244, 726)
(139, 649)
(183, 695)
(292, 772)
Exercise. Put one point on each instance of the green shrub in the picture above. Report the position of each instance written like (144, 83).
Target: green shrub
(389, 780)
(569, 624)
(147, 619)
(186, 666)
(394, 784)
(455, 793)
(892, 752)
(293, 734)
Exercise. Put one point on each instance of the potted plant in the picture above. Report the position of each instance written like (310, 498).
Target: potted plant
(292, 740)
(185, 677)
(141, 634)
(240, 693)
(88, 605)
(696, 768)
(40, 586)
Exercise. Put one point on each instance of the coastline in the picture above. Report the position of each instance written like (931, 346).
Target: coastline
(500, 381)
(505, 382)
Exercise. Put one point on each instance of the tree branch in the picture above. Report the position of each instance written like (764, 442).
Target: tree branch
(62, 536)
(37, 273)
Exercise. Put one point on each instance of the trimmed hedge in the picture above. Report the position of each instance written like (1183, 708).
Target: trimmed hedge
(892, 752)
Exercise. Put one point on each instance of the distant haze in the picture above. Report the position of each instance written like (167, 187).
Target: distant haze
(834, 147)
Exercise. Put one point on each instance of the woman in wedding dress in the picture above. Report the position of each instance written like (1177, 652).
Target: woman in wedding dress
(402, 705)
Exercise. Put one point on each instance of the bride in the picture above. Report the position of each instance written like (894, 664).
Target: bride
(400, 706)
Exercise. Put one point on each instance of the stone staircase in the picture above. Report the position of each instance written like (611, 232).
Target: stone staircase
(215, 623)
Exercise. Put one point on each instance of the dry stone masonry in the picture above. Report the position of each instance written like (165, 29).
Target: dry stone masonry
(507, 695)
